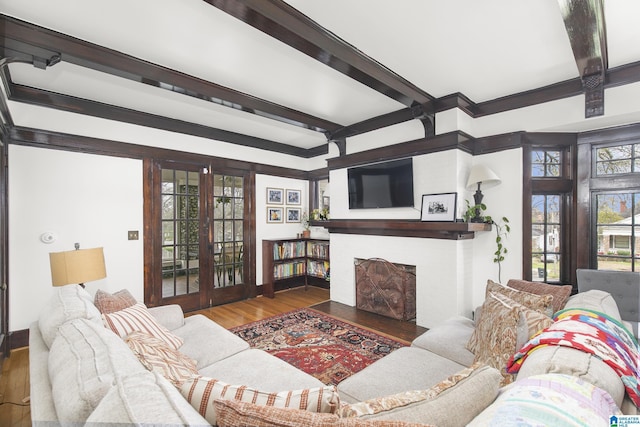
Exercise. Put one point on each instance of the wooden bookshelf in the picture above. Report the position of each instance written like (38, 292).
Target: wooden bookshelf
(285, 259)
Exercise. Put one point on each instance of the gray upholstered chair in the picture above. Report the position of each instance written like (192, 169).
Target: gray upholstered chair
(624, 287)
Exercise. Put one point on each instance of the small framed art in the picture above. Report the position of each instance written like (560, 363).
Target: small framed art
(293, 197)
(439, 207)
(293, 214)
(274, 215)
(275, 196)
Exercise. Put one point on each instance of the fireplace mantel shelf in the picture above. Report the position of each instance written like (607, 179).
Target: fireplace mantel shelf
(404, 228)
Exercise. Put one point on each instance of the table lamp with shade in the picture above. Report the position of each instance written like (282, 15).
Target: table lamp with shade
(481, 175)
(77, 266)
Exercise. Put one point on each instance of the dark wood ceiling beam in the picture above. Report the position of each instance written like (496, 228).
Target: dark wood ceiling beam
(585, 25)
(89, 55)
(285, 23)
(43, 98)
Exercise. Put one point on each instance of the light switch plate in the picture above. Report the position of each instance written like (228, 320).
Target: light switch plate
(133, 234)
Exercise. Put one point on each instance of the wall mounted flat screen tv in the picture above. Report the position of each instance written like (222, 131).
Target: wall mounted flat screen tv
(381, 185)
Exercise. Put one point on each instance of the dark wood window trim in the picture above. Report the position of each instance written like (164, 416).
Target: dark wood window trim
(564, 186)
(588, 184)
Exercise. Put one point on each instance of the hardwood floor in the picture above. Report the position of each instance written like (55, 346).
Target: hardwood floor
(14, 390)
(14, 379)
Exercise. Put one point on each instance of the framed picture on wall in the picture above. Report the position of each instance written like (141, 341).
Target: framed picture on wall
(293, 214)
(439, 207)
(274, 214)
(275, 196)
(293, 197)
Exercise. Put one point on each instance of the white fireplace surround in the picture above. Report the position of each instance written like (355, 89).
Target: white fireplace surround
(442, 285)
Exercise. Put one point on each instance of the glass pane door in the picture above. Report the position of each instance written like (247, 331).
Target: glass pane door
(180, 195)
(228, 230)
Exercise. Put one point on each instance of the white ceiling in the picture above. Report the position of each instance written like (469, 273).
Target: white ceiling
(483, 49)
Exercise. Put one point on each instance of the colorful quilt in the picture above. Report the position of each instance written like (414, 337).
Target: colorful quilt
(595, 333)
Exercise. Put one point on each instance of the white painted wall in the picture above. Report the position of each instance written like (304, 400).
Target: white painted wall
(284, 230)
(90, 199)
(451, 275)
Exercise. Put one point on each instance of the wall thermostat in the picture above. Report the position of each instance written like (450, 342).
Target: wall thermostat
(48, 237)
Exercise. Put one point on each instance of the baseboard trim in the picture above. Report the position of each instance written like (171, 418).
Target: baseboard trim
(18, 339)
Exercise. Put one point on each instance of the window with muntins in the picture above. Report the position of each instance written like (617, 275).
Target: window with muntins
(618, 231)
(617, 159)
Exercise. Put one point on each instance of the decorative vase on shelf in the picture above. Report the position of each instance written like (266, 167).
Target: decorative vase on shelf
(306, 234)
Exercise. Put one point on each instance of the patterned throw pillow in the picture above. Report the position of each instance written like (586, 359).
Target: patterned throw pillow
(110, 303)
(542, 303)
(158, 357)
(232, 413)
(138, 318)
(201, 392)
(494, 340)
(560, 292)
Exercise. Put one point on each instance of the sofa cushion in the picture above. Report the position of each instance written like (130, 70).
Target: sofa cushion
(549, 400)
(109, 303)
(84, 361)
(439, 405)
(560, 293)
(595, 300)
(144, 399)
(201, 392)
(407, 368)
(274, 374)
(570, 361)
(541, 303)
(138, 318)
(157, 356)
(449, 340)
(207, 342)
(243, 414)
(67, 303)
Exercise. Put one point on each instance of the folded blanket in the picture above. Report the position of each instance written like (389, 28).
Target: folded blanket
(595, 333)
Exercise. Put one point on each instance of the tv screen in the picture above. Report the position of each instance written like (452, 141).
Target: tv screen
(381, 185)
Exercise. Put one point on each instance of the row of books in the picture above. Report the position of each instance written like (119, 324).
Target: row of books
(299, 268)
(318, 250)
(282, 271)
(318, 269)
(288, 250)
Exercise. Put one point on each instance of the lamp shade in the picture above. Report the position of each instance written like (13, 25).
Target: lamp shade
(327, 190)
(78, 266)
(483, 175)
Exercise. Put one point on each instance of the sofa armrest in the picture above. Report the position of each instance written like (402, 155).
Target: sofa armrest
(449, 340)
(43, 410)
(170, 316)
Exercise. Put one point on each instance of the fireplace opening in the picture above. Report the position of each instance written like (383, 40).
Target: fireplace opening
(386, 288)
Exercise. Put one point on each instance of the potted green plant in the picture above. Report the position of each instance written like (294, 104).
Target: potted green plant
(306, 233)
(503, 228)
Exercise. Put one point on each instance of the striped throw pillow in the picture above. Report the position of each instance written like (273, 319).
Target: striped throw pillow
(159, 357)
(201, 392)
(138, 318)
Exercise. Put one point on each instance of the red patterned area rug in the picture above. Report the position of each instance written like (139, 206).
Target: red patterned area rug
(320, 345)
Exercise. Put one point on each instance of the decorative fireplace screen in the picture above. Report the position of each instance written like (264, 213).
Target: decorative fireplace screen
(386, 288)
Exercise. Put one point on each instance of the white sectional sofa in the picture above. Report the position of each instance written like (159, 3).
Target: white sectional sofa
(82, 373)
